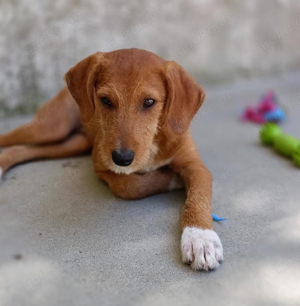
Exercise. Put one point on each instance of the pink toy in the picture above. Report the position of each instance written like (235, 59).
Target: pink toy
(266, 110)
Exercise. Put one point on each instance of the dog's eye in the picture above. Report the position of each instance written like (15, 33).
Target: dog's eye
(148, 102)
(105, 101)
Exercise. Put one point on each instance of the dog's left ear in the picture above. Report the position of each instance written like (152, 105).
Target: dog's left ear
(184, 98)
(81, 80)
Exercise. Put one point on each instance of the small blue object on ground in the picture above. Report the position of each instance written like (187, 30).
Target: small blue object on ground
(216, 218)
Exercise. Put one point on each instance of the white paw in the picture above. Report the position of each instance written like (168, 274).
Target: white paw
(1, 172)
(201, 248)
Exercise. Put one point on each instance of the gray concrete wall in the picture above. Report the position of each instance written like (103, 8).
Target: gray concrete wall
(215, 40)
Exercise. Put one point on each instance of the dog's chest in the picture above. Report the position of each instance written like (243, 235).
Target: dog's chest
(156, 165)
(154, 162)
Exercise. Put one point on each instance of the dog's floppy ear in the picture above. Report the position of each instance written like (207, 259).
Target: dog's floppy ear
(184, 98)
(81, 80)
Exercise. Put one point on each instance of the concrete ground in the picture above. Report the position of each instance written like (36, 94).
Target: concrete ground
(67, 240)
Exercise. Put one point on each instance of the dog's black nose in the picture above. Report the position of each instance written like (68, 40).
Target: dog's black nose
(122, 158)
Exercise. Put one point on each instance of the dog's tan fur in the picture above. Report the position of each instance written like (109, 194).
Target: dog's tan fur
(75, 122)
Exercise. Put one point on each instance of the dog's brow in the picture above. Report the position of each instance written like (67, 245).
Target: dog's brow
(108, 91)
(139, 91)
(137, 87)
(147, 92)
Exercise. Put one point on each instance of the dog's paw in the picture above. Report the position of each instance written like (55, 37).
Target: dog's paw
(201, 248)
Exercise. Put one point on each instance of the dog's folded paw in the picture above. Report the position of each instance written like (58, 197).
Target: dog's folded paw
(201, 248)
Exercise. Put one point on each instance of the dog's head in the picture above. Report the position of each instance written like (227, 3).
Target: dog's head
(126, 98)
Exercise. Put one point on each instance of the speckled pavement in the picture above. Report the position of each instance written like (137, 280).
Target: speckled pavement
(67, 240)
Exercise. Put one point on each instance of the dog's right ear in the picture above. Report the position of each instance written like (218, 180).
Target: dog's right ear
(81, 81)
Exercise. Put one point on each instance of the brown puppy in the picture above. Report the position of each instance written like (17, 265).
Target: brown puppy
(134, 114)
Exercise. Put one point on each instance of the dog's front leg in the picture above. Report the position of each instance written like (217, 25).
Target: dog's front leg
(137, 186)
(200, 245)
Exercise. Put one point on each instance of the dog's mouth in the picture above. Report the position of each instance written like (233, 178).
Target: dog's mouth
(121, 169)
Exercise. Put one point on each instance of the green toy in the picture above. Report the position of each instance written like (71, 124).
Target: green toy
(286, 145)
